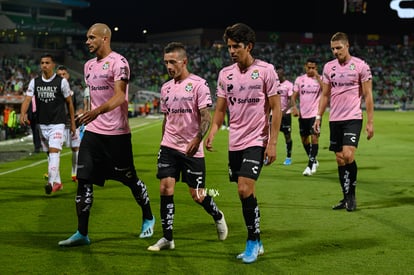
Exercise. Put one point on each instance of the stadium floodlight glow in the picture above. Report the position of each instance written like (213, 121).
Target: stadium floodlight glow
(402, 12)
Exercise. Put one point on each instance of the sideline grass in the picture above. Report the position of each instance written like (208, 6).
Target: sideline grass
(300, 232)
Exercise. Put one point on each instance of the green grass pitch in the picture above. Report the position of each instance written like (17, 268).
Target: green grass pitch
(300, 232)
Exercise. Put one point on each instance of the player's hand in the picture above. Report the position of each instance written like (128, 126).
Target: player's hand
(86, 117)
(270, 154)
(192, 147)
(23, 120)
(295, 111)
(208, 142)
(317, 127)
(73, 129)
(77, 120)
(370, 131)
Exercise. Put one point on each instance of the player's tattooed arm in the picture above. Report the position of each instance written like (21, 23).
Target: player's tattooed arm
(205, 123)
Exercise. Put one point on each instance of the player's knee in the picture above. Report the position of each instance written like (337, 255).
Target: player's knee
(348, 156)
(198, 198)
(198, 195)
(340, 159)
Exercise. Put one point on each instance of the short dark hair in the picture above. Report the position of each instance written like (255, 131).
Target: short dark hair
(240, 33)
(47, 55)
(62, 68)
(312, 59)
(174, 46)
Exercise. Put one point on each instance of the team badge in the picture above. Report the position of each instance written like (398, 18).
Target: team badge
(105, 66)
(255, 74)
(189, 87)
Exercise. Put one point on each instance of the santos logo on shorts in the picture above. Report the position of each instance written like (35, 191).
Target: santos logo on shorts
(403, 8)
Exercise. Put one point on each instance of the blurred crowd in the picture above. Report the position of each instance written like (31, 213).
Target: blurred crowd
(15, 75)
(393, 66)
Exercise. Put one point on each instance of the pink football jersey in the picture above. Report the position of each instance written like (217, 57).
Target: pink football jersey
(246, 93)
(286, 91)
(309, 93)
(345, 82)
(181, 102)
(100, 77)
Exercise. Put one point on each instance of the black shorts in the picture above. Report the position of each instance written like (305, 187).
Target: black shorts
(345, 132)
(286, 124)
(172, 163)
(103, 157)
(246, 163)
(306, 126)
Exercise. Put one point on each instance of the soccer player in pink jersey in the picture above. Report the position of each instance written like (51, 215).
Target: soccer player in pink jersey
(307, 89)
(106, 150)
(346, 80)
(286, 92)
(250, 89)
(185, 102)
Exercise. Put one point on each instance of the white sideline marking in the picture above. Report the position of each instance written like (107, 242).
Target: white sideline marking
(140, 127)
(30, 165)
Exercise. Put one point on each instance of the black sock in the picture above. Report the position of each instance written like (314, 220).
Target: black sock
(84, 202)
(314, 152)
(289, 145)
(251, 216)
(167, 209)
(140, 193)
(307, 149)
(341, 174)
(211, 208)
(353, 169)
